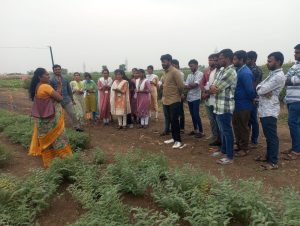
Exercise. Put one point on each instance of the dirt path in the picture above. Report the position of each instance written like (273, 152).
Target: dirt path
(196, 152)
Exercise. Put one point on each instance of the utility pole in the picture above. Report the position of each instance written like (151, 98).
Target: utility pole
(51, 55)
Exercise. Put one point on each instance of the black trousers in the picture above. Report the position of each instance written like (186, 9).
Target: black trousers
(181, 116)
(173, 112)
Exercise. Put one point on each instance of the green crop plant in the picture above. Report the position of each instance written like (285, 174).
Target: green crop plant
(5, 154)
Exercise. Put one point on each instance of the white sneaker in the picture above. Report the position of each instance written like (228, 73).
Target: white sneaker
(177, 145)
(216, 154)
(169, 141)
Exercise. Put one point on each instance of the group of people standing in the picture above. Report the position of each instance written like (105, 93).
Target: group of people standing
(129, 100)
(232, 89)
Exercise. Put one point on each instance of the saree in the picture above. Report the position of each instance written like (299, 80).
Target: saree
(120, 102)
(49, 139)
(154, 79)
(79, 107)
(104, 97)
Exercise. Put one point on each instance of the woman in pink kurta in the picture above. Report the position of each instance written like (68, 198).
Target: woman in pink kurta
(143, 89)
(104, 86)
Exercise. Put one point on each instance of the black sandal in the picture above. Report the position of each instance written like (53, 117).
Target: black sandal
(292, 156)
(269, 166)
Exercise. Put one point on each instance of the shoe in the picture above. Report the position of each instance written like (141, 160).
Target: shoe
(199, 135)
(177, 144)
(79, 130)
(216, 154)
(169, 141)
(225, 161)
(215, 143)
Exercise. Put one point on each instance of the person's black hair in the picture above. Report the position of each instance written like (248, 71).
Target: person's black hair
(86, 74)
(76, 73)
(278, 57)
(150, 67)
(119, 71)
(241, 55)
(193, 61)
(227, 53)
(175, 62)
(212, 56)
(141, 71)
(166, 57)
(252, 55)
(56, 66)
(297, 47)
(105, 69)
(39, 72)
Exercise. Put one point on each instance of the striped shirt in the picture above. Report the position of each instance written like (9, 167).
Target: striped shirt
(270, 106)
(225, 80)
(293, 89)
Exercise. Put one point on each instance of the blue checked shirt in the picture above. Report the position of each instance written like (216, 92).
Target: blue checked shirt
(225, 80)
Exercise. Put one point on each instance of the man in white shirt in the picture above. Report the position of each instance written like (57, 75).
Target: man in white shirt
(207, 80)
(192, 84)
(269, 107)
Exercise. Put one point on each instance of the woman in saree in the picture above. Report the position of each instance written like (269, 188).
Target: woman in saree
(154, 84)
(49, 139)
(90, 88)
(104, 86)
(119, 99)
(143, 89)
(77, 89)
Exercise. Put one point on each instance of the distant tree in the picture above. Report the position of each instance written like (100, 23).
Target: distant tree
(104, 67)
(122, 67)
(64, 71)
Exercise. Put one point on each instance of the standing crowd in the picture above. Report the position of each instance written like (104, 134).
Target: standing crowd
(232, 90)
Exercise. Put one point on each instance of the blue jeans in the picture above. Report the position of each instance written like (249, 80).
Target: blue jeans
(253, 124)
(194, 110)
(269, 125)
(224, 123)
(167, 123)
(294, 124)
(213, 123)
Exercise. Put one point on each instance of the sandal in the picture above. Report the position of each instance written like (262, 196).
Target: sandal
(241, 153)
(269, 166)
(225, 161)
(292, 156)
(260, 158)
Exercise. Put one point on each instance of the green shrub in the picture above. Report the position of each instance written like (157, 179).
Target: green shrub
(98, 156)
(135, 171)
(5, 155)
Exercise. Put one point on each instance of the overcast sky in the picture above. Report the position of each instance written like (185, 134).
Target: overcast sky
(99, 32)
